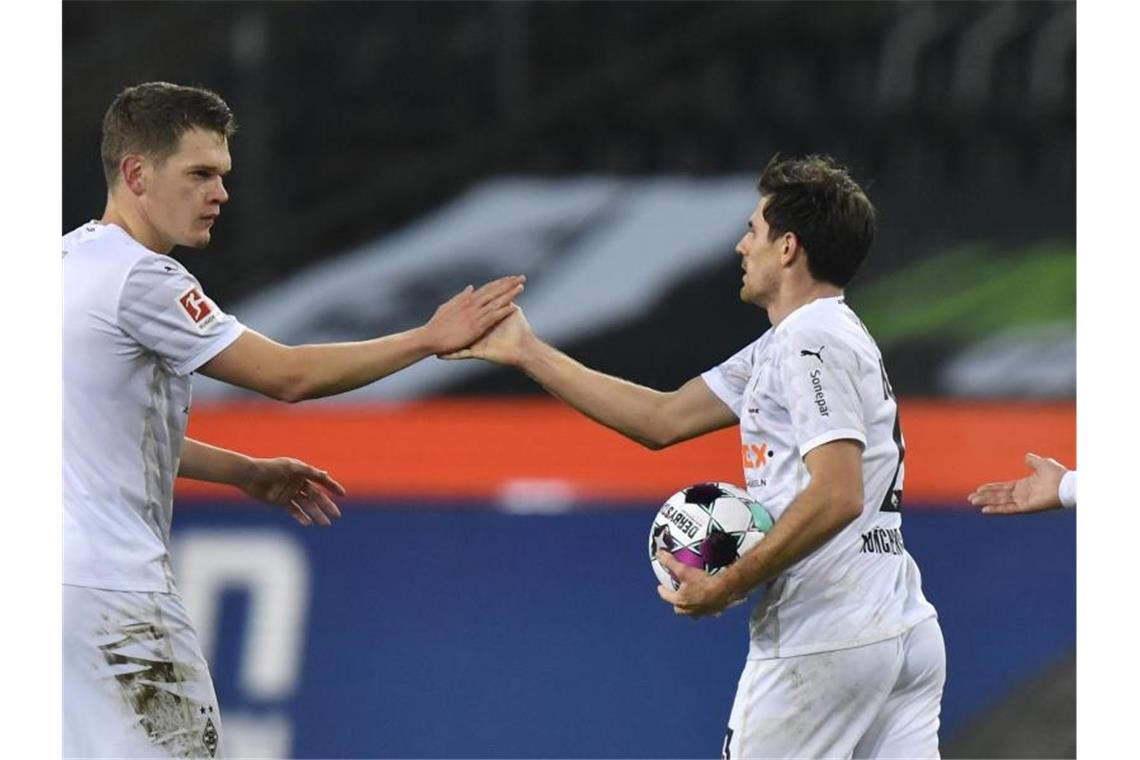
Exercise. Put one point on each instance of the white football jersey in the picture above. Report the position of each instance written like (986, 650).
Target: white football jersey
(135, 325)
(814, 378)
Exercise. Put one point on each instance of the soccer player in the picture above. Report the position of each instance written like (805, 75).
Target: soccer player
(846, 655)
(136, 326)
(1050, 485)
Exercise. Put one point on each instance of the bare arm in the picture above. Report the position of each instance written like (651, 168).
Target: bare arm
(301, 489)
(832, 500)
(297, 373)
(653, 418)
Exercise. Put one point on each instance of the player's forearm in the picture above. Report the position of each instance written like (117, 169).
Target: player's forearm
(807, 524)
(630, 409)
(330, 368)
(201, 461)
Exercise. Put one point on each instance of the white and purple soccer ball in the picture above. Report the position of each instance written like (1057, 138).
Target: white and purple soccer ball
(707, 526)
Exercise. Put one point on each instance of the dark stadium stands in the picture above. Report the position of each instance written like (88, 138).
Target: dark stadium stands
(359, 116)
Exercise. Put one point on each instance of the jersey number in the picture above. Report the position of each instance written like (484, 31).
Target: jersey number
(892, 502)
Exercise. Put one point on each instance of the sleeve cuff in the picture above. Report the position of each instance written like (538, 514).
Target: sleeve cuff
(1067, 491)
(212, 349)
(832, 435)
(721, 390)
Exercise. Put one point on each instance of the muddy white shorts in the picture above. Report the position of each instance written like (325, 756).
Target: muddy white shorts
(135, 683)
(878, 700)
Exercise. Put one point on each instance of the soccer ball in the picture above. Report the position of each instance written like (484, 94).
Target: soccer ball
(707, 526)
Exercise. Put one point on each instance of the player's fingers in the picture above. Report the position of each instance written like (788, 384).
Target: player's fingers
(667, 594)
(315, 513)
(990, 497)
(309, 496)
(493, 317)
(327, 505)
(498, 288)
(324, 480)
(1001, 508)
(310, 500)
(299, 514)
(675, 567)
(510, 295)
(310, 476)
(503, 300)
(991, 491)
(985, 497)
(1003, 485)
(463, 353)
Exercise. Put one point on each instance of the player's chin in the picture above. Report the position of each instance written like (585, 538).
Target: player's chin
(199, 240)
(751, 297)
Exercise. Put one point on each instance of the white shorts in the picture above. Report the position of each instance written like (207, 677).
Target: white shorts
(878, 700)
(135, 683)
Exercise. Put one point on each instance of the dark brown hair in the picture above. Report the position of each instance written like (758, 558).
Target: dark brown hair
(149, 119)
(815, 198)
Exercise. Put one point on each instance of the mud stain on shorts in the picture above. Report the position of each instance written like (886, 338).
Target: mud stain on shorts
(153, 687)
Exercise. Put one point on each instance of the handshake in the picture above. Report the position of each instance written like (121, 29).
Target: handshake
(481, 324)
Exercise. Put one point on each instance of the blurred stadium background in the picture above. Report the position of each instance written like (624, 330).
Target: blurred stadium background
(487, 592)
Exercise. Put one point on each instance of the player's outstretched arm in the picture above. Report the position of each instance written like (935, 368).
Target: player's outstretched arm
(1036, 492)
(832, 499)
(653, 418)
(300, 488)
(297, 373)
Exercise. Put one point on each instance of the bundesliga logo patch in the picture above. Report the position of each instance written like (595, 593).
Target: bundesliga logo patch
(197, 307)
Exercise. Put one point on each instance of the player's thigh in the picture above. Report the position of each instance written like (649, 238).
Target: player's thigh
(908, 724)
(816, 705)
(135, 681)
(97, 722)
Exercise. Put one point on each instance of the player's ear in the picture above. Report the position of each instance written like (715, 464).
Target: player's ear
(790, 247)
(132, 174)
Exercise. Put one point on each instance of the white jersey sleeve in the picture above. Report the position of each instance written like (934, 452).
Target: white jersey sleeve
(729, 380)
(1067, 491)
(819, 374)
(162, 306)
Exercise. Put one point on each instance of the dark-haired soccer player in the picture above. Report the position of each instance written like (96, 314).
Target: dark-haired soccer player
(136, 325)
(846, 656)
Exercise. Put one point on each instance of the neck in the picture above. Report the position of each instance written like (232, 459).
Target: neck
(792, 298)
(131, 219)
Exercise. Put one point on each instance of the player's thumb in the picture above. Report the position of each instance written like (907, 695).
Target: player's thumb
(672, 564)
(1034, 462)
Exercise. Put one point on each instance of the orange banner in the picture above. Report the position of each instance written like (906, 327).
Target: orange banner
(491, 449)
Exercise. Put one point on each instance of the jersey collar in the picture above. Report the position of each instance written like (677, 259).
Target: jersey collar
(815, 303)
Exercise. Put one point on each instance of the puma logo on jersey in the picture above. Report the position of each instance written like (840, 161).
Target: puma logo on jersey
(816, 354)
(197, 307)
